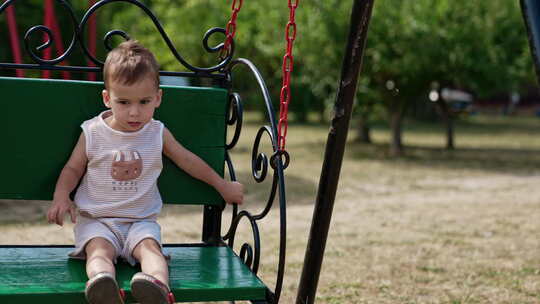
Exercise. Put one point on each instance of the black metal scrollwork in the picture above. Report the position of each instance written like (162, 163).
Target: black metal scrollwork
(214, 71)
(110, 34)
(39, 30)
(261, 167)
(253, 258)
(235, 117)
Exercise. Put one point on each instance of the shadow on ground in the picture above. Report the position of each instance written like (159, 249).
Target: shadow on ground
(21, 211)
(487, 125)
(503, 160)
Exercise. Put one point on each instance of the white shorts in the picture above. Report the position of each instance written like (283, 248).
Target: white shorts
(123, 233)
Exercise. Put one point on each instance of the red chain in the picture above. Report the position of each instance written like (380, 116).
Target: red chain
(288, 62)
(230, 30)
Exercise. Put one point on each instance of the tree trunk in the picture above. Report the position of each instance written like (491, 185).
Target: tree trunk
(448, 120)
(364, 135)
(449, 133)
(396, 146)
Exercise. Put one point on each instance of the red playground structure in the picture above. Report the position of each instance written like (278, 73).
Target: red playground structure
(50, 21)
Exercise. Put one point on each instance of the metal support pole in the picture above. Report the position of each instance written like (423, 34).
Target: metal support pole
(335, 147)
(531, 15)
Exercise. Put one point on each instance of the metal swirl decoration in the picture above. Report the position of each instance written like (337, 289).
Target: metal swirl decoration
(260, 170)
(165, 37)
(252, 259)
(44, 31)
(78, 37)
(235, 118)
(110, 34)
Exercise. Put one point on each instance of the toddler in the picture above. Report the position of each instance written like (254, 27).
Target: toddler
(116, 205)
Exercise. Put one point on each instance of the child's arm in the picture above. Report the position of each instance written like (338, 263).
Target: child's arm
(232, 192)
(68, 180)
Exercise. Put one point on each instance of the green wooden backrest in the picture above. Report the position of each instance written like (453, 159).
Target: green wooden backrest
(40, 124)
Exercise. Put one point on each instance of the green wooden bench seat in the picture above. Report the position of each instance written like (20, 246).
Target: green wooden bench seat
(198, 273)
(40, 124)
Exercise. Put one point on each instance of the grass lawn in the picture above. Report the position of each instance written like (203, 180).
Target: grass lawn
(433, 226)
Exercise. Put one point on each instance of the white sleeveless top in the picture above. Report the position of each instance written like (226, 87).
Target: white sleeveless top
(122, 172)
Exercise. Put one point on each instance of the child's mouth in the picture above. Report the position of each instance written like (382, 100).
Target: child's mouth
(134, 124)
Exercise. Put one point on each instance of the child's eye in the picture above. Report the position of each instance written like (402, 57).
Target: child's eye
(145, 101)
(123, 102)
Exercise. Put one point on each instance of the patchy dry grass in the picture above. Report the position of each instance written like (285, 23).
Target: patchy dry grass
(432, 227)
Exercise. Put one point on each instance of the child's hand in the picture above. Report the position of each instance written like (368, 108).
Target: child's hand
(58, 210)
(232, 192)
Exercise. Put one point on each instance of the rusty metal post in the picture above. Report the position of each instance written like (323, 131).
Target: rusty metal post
(335, 147)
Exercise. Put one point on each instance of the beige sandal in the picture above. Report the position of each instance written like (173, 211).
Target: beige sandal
(149, 290)
(103, 289)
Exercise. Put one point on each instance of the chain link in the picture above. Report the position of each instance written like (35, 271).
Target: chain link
(288, 62)
(230, 30)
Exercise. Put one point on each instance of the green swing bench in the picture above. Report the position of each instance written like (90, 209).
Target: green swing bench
(40, 123)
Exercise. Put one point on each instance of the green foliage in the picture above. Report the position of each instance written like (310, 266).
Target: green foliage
(476, 45)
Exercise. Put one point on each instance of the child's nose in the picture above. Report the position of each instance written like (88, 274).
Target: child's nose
(134, 111)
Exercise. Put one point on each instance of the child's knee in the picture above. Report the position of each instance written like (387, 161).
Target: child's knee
(100, 247)
(148, 245)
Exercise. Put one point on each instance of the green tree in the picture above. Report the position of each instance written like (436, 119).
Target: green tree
(474, 45)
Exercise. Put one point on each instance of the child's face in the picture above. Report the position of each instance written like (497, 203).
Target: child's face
(132, 105)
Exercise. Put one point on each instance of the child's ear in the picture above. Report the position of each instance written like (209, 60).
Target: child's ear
(106, 98)
(159, 95)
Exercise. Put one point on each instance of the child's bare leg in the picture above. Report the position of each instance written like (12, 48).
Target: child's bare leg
(99, 257)
(148, 253)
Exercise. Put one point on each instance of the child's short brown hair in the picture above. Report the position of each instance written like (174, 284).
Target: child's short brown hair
(130, 62)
